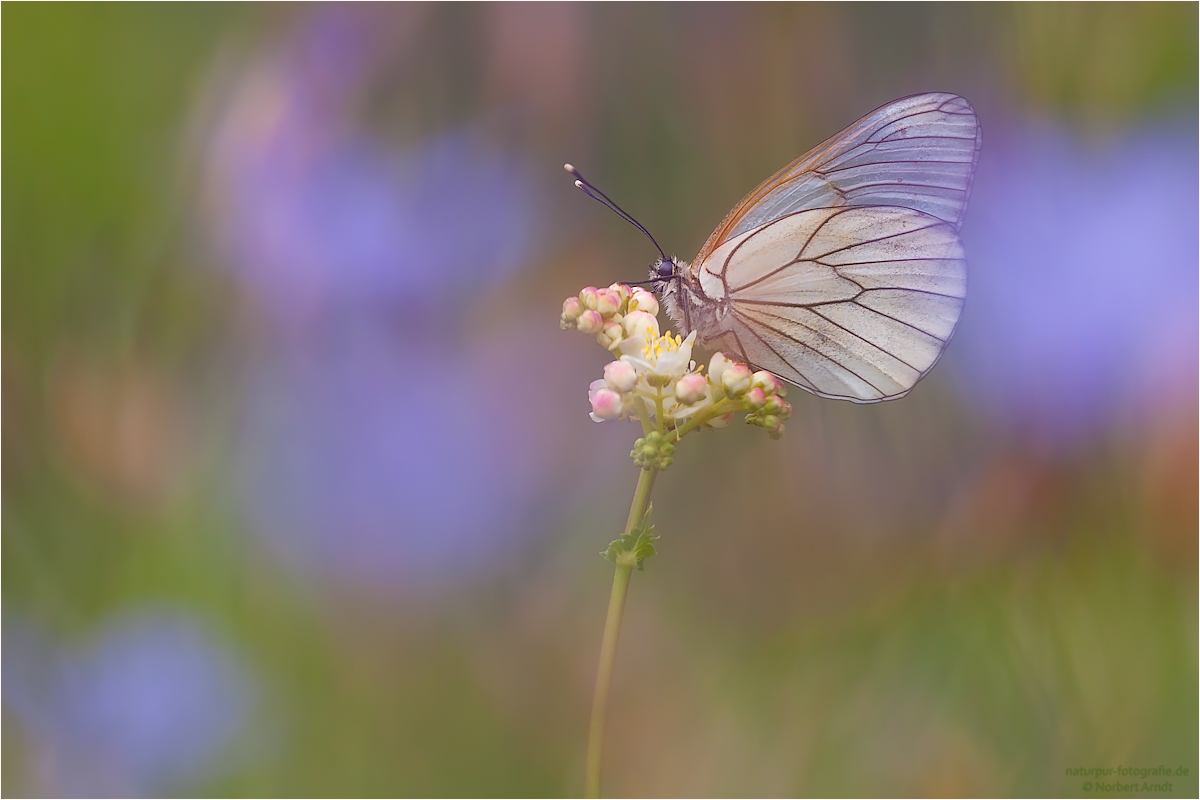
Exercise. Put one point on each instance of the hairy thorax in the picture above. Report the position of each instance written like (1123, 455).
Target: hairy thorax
(692, 305)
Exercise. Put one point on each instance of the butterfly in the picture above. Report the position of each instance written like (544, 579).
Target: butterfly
(843, 272)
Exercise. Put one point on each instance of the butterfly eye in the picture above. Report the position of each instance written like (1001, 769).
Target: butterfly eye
(665, 268)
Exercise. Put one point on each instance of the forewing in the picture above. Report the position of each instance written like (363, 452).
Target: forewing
(918, 152)
(849, 303)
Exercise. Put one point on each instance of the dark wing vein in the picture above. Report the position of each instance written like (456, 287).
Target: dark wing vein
(855, 334)
(873, 240)
(803, 247)
(867, 341)
(805, 345)
(936, 124)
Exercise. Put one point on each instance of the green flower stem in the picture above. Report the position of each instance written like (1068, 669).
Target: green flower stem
(612, 631)
(641, 498)
(717, 409)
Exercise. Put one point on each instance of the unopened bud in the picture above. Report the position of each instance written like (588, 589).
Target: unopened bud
(606, 404)
(588, 297)
(755, 398)
(622, 291)
(735, 379)
(610, 335)
(691, 389)
(572, 308)
(619, 376)
(653, 451)
(769, 383)
(642, 300)
(608, 302)
(590, 321)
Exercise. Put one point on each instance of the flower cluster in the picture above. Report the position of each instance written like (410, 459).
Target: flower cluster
(612, 314)
(655, 380)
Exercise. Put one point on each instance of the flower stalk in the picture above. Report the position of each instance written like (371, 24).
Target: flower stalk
(625, 562)
(654, 380)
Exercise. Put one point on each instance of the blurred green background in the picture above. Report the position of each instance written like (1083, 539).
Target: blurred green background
(300, 496)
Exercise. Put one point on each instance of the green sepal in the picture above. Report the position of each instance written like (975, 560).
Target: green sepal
(634, 547)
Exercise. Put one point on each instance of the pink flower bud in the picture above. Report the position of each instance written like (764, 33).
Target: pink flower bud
(756, 397)
(588, 297)
(735, 379)
(769, 383)
(691, 388)
(608, 302)
(611, 335)
(591, 322)
(621, 289)
(642, 300)
(572, 308)
(619, 376)
(606, 404)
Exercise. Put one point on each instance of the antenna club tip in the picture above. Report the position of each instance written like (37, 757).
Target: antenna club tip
(579, 184)
(569, 168)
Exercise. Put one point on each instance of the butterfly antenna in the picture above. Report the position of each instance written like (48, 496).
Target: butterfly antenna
(596, 194)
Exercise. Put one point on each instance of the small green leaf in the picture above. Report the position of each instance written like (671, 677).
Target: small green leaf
(634, 547)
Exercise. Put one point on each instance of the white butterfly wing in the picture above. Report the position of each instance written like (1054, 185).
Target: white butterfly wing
(918, 152)
(852, 303)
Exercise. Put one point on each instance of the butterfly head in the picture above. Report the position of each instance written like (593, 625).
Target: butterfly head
(666, 273)
(668, 276)
(662, 270)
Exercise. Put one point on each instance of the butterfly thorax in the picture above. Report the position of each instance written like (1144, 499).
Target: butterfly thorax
(687, 303)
